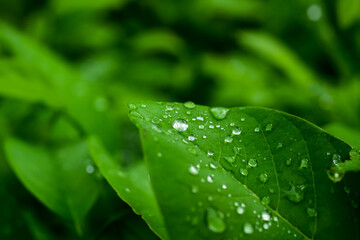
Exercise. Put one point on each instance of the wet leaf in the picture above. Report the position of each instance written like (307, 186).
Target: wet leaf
(205, 196)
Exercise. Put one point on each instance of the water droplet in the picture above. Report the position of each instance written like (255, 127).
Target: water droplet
(230, 159)
(224, 186)
(211, 126)
(240, 210)
(335, 174)
(248, 228)
(90, 169)
(279, 145)
(296, 193)
(252, 162)
(336, 159)
(228, 139)
(191, 138)
(266, 200)
(194, 189)
(311, 212)
(314, 12)
(143, 105)
(213, 166)
(193, 170)
(180, 125)
(242, 119)
(219, 112)
(256, 129)
(209, 179)
(236, 131)
(264, 178)
(132, 106)
(189, 104)
(201, 126)
(159, 154)
(127, 189)
(169, 107)
(304, 163)
(215, 221)
(268, 127)
(244, 171)
(288, 162)
(265, 216)
(210, 153)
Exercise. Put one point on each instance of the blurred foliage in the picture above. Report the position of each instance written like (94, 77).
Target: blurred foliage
(67, 68)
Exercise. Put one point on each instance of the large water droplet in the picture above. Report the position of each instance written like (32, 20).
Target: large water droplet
(335, 174)
(189, 104)
(265, 216)
(248, 228)
(252, 162)
(240, 210)
(236, 131)
(180, 125)
(296, 193)
(219, 112)
(228, 139)
(193, 170)
(191, 138)
(215, 221)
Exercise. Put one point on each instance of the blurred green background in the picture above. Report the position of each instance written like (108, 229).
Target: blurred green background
(68, 68)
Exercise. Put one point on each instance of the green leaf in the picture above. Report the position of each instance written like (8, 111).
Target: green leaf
(58, 179)
(132, 186)
(252, 174)
(348, 11)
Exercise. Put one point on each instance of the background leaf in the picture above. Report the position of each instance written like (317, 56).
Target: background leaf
(59, 179)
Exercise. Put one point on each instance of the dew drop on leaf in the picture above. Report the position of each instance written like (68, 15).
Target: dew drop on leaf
(244, 171)
(296, 193)
(264, 177)
(191, 138)
(228, 139)
(252, 162)
(219, 113)
(236, 131)
(189, 104)
(132, 106)
(257, 129)
(268, 127)
(248, 228)
(210, 153)
(240, 210)
(335, 174)
(193, 170)
(180, 125)
(288, 162)
(209, 179)
(304, 163)
(311, 212)
(230, 159)
(215, 221)
(265, 200)
(194, 189)
(265, 216)
(336, 159)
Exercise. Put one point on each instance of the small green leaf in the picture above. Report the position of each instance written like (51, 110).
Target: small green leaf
(195, 189)
(133, 186)
(58, 179)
